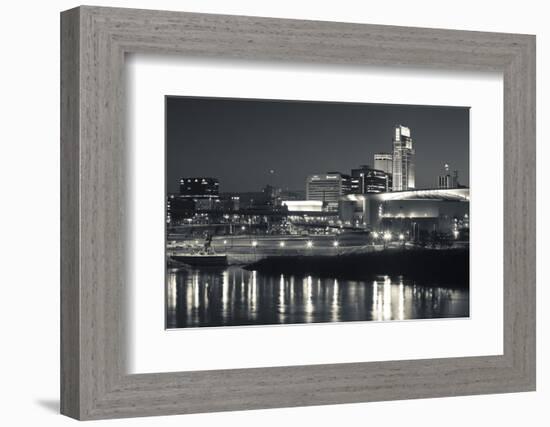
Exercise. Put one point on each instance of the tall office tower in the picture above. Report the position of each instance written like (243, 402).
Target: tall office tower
(447, 180)
(384, 162)
(366, 180)
(403, 159)
(328, 188)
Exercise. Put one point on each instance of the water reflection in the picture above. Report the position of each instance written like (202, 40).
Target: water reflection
(232, 296)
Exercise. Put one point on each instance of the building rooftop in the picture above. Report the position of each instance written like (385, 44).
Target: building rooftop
(451, 194)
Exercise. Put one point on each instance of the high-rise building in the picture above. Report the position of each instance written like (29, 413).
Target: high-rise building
(403, 159)
(384, 162)
(366, 180)
(328, 188)
(447, 180)
(203, 191)
(199, 187)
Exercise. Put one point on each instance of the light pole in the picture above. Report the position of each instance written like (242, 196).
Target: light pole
(375, 237)
(387, 238)
(336, 244)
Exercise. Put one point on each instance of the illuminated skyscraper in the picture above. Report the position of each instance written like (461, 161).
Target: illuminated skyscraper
(366, 180)
(328, 188)
(384, 162)
(403, 159)
(447, 180)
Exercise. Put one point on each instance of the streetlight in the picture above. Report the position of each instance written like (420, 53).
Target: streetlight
(375, 236)
(309, 244)
(401, 237)
(335, 243)
(254, 244)
(387, 238)
(282, 244)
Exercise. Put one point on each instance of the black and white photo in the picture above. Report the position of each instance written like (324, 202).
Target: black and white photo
(288, 212)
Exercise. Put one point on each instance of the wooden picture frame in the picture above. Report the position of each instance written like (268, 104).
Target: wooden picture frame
(94, 382)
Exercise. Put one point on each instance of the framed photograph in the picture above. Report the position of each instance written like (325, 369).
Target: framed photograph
(262, 213)
(283, 227)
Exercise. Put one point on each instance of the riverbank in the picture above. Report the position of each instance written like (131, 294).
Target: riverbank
(445, 266)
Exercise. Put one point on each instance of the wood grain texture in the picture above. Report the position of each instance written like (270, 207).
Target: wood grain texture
(70, 292)
(94, 267)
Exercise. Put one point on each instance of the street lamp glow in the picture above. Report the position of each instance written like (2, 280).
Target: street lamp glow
(387, 235)
(335, 243)
(401, 237)
(254, 243)
(282, 244)
(243, 228)
(375, 235)
(225, 242)
(309, 244)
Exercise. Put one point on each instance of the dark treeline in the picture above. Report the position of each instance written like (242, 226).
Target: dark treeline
(449, 267)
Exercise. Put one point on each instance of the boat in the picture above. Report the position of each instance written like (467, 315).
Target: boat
(205, 256)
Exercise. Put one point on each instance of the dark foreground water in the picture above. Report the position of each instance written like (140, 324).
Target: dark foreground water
(233, 296)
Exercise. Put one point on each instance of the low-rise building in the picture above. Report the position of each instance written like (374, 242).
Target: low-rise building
(412, 211)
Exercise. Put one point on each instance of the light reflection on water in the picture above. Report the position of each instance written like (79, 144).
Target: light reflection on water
(233, 296)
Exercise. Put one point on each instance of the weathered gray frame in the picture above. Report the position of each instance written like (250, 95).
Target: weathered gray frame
(94, 41)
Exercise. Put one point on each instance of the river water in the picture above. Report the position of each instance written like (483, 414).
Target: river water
(232, 296)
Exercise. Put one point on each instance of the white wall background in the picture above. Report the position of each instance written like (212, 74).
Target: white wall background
(29, 168)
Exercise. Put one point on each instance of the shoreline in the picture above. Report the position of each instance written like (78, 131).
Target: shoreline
(447, 267)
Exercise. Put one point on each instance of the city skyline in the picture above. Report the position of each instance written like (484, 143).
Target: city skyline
(275, 213)
(247, 144)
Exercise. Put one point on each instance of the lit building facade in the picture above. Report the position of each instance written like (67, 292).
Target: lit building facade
(303, 205)
(384, 162)
(447, 180)
(413, 211)
(199, 187)
(202, 190)
(328, 188)
(366, 180)
(403, 160)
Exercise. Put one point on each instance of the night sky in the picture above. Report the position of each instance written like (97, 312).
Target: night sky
(247, 144)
